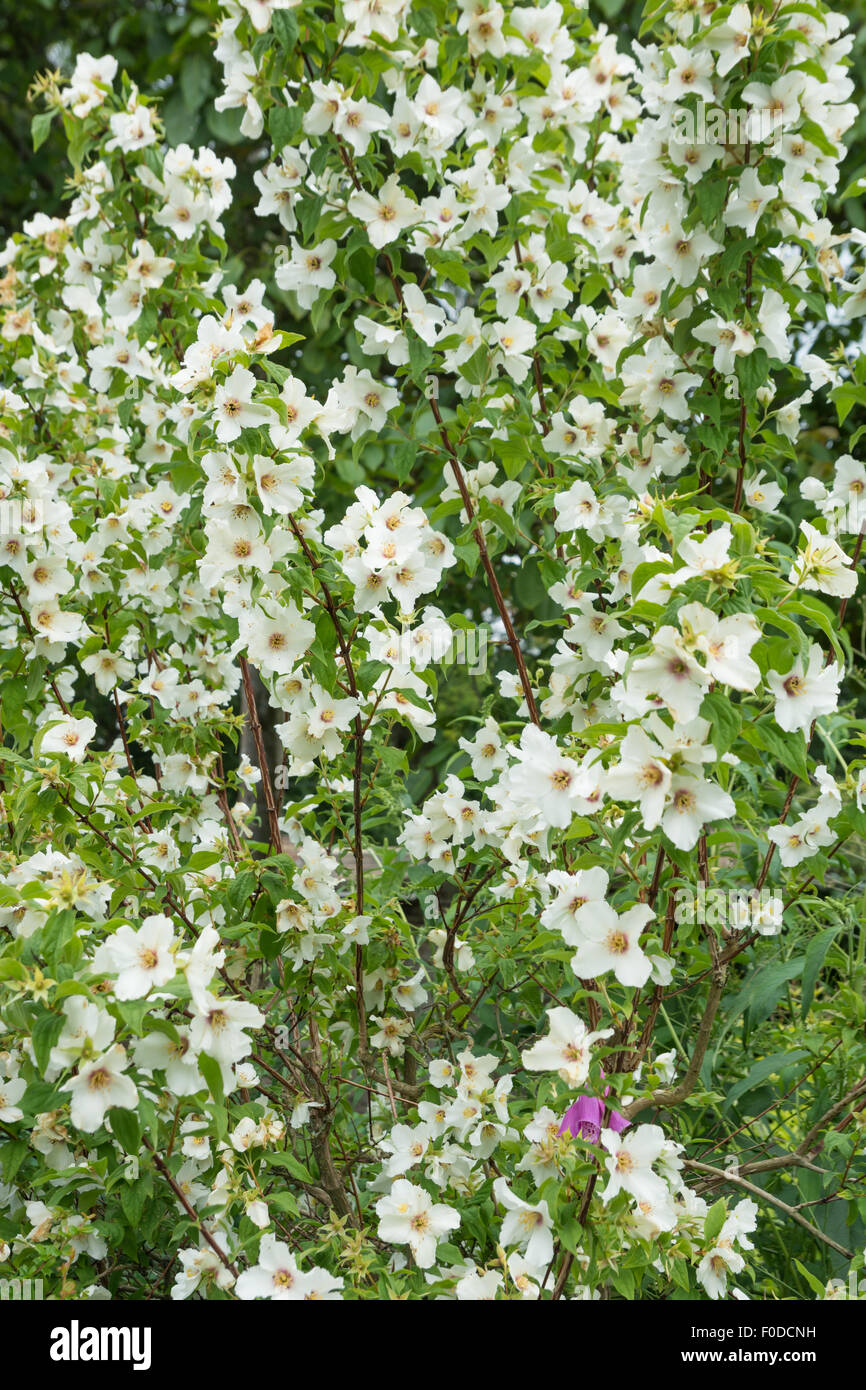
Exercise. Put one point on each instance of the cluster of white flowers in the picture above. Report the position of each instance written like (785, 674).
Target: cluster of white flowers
(572, 324)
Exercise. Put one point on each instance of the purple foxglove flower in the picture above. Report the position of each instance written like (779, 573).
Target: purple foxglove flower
(583, 1119)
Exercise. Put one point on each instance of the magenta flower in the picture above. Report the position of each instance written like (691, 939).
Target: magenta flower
(583, 1119)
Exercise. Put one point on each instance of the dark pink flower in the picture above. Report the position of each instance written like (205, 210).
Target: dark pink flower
(583, 1119)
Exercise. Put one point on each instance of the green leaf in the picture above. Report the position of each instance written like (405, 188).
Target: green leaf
(711, 195)
(763, 1069)
(763, 988)
(845, 398)
(212, 1074)
(134, 1196)
(623, 1282)
(448, 1254)
(815, 1285)
(679, 1273)
(44, 1033)
(812, 132)
(725, 721)
(126, 1130)
(592, 287)
(241, 889)
(12, 1155)
(420, 357)
(294, 1165)
(816, 952)
(285, 124)
(788, 749)
(753, 370)
(285, 29)
(477, 368)
(195, 81)
(808, 606)
(40, 127)
(368, 673)
(715, 1220)
(133, 1012)
(451, 266)
(652, 13)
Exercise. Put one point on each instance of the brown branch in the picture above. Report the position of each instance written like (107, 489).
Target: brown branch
(357, 777)
(261, 755)
(486, 562)
(190, 1210)
(662, 1099)
(765, 1196)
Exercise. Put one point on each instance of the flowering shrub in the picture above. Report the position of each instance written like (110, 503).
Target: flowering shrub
(497, 1034)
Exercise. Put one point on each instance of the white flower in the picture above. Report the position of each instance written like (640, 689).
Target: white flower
(729, 340)
(693, 802)
(407, 1146)
(669, 675)
(217, 1027)
(386, 214)
(234, 408)
(142, 960)
(277, 1276)
(159, 1052)
(198, 1265)
(715, 1266)
(69, 737)
(746, 205)
(731, 39)
(408, 1216)
(566, 1049)
(275, 642)
(425, 318)
(478, 1286)
(803, 695)
(631, 1155)
(764, 497)
(546, 779)
(526, 1226)
(390, 1034)
(577, 897)
(823, 565)
(10, 1093)
(640, 775)
(515, 338)
(774, 318)
(308, 272)
(610, 942)
(577, 509)
(99, 1085)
